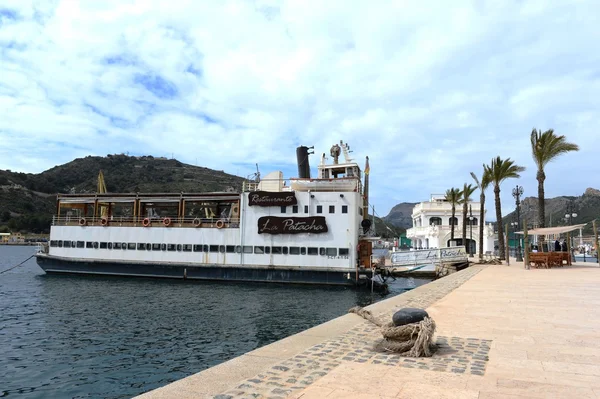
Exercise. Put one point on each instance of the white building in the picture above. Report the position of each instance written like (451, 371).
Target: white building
(432, 226)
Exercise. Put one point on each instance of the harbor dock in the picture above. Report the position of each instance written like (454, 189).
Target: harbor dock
(502, 332)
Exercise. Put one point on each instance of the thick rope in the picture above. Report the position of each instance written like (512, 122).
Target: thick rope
(14, 267)
(411, 340)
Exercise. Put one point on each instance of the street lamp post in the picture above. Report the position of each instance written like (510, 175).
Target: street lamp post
(517, 192)
(471, 232)
(570, 214)
(515, 226)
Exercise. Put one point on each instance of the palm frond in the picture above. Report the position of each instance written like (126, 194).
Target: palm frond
(547, 146)
(502, 169)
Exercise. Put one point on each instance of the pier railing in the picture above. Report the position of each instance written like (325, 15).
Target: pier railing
(428, 256)
(123, 221)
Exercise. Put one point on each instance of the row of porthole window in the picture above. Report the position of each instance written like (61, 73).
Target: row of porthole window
(247, 249)
(319, 209)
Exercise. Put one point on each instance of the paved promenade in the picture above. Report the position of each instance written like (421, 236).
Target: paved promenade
(502, 332)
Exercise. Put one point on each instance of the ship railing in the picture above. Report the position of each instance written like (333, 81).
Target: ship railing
(128, 221)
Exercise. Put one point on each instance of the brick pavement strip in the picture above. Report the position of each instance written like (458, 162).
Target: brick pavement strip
(454, 354)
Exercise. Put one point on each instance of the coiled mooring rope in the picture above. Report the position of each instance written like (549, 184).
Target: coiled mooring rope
(411, 340)
(14, 267)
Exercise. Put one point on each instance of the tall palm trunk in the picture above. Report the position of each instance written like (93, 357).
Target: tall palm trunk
(500, 227)
(541, 177)
(481, 223)
(452, 223)
(464, 227)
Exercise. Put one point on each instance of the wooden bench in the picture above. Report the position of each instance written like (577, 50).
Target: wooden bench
(539, 259)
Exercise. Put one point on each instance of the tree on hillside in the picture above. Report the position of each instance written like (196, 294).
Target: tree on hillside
(482, 185)
(453, 197)
(499, 170)
(466, 198)
(546, 147)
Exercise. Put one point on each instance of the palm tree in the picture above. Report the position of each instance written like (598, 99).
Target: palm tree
(466, 197)
(546, 147)
(482, 186)
(498, 171)
(453, 197)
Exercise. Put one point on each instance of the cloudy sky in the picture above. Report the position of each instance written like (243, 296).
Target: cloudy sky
(429, 90)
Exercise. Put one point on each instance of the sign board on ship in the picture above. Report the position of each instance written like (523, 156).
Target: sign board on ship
(291, 225)
(268, 198)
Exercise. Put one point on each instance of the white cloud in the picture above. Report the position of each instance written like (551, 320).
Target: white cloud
(428, 91)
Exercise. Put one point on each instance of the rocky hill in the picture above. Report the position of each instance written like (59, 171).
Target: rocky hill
(400, 215)
(28, 201)
(587, 207)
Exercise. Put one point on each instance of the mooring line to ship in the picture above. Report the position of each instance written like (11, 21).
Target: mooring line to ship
(14, 267)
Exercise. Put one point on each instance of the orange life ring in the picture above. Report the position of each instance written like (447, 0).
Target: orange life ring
(197, 222)
(220, 223)
(167, 222)
(104, 222)
(146, 222)
(82, 222)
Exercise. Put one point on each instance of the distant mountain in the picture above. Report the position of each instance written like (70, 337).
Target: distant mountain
(400, 215)
(587, 207)
(28, 201)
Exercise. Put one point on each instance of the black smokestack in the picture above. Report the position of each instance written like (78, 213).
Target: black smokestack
(303, 164)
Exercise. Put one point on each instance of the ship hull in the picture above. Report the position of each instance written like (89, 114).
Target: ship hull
(299, 275)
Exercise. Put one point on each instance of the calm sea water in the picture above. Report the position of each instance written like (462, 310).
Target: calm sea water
(95, 337)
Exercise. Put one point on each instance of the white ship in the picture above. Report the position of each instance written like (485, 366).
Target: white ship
(301, 230)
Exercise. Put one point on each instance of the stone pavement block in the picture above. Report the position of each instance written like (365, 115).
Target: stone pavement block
(414, 390)
(542, 390)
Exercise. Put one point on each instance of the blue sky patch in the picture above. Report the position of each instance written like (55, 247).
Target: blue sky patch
(157, 85)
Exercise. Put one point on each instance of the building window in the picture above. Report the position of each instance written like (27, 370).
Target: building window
(344, 208)
(283, 208)
(344, 252)
(305, 208)
(453, 221)
(474, 221)
(435, 221)
(331, 208)
(259, 250)
(295, 209)
(319, 208)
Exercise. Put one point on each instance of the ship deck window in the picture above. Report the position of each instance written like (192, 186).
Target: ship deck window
(163, 247)
(110, 245)
(284, 250)
(321, 251)
(283, 209)
(305, 208)
(205, 248)
(53, 243)
(171, 247)
(319, 208)
(179, 247)
(148, 246)
(141, 246)
(187, 248)
(302, 250)
(276, 250)
(267, 250)
(67, 244)
(294, 208)
(131, 245)
(117, 245)
(213, 248)
(331, 208)
(331, 251)
(96, 245)
(344, 208)
(230, 249)
(247, 249)
(156, 247)
(124, 245)
(294, 250)
(313, 251)
(238, 249)
(60, 243)
(198, 248)
(103, 245)
(344, 252)
(80, 244)
(259, 250)
(89, 244)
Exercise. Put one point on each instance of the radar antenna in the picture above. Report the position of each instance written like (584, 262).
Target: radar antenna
(346, 149)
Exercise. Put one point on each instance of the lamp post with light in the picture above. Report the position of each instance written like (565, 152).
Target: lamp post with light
(570, 214)
(517, 192)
